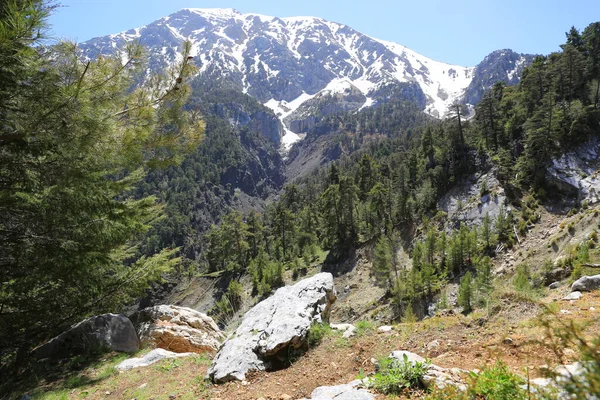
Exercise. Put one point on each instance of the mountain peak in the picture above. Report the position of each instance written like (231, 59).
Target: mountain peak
(217, 12)
(285, 62)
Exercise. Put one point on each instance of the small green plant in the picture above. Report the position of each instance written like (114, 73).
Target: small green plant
(521, 279)
(409, 315)
(496, 383)
(168, 365)
(443, 301)
(361, 374)
(202, 360)
(577, 272)
(317, 332)
(394, 376)
(483, 189)
(364, 327)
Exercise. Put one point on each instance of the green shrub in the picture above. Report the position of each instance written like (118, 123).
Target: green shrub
(465, 293)
(521, 279)
(394, 376)
(496, 383)
(577, 272)
(317, 332)
(363, 327)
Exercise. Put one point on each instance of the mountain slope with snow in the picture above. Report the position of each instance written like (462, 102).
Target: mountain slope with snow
(285, 62)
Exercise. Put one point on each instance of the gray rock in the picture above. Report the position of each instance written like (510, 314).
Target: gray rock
(410, 357)
(576, 172)
(563, 374)
(586, 284)
(107, 332)
(554, 285)
(280, 322)
(341, 392)
(178, 329)
(434, 344)
(348, 329)
(384, 329)
(573, 296)
(557, 274)
(154, 356)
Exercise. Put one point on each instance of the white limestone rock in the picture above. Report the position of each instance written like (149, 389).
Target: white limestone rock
(280, 322)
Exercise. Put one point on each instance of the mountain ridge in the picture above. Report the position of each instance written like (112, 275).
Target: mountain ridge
(285, 62)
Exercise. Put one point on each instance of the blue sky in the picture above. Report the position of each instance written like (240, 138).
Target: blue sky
(458, 32)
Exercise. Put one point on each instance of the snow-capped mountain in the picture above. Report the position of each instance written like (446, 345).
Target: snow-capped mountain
(286, 63)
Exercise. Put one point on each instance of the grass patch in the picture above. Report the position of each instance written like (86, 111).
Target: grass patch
(364, 327)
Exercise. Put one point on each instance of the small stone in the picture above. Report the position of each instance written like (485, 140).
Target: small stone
(285, 397)
(143, 385)
(434, 344)
(554, 285)
(508, 341)
(565, 312)
(384, 329)
(592, 308)
(172, 397)
(573, 296)
(107, 393)
(245, 383)
(569, 352)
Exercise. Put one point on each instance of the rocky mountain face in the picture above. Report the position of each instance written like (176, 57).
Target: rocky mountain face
(303, 68)
(499, 66)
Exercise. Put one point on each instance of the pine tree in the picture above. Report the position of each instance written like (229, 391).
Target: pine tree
(383, 262)
(591, 38)
(74, 142)
(465, 293)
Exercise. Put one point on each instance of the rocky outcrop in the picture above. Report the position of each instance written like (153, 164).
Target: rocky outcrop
(107, 332)
(277, 324)
(586, 284)
(576, 172)
(179, 329)
(561, 377)
(154, 356)
(499, 66)
(470, 200)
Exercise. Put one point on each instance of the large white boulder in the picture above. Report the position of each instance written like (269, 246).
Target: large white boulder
(107, 332)
(280, 322)
(178, 329)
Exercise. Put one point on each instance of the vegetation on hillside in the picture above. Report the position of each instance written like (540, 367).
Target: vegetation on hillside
(387, 189)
